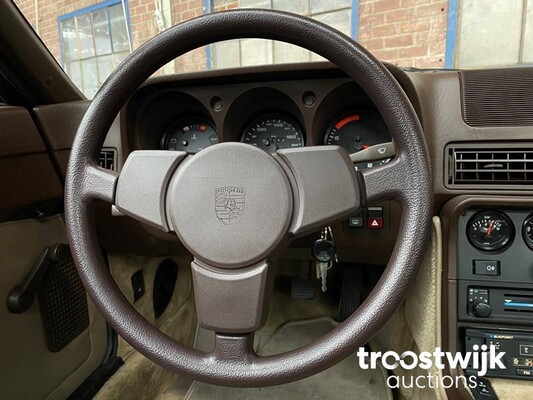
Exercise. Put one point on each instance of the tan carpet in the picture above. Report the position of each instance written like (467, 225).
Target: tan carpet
(343, 381)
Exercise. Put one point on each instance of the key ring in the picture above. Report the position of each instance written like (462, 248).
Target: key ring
(324, 235)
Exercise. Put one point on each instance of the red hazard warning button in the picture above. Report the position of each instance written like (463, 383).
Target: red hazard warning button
(375, 223)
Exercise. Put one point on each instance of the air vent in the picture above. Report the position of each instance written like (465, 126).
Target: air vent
(107, 158)
(491, 166)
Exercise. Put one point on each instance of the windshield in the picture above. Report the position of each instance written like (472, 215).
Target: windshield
(89, 38)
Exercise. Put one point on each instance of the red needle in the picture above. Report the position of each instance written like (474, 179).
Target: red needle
(490, 229)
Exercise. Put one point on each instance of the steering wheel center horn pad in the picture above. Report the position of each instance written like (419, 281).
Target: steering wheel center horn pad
(235, 207)
(230, 205)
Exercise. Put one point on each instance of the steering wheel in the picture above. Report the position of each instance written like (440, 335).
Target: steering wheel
(236, 207)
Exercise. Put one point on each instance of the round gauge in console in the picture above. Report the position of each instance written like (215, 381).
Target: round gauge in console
(357, 131)
(527, 231)
(272, 132)
(490, 231)
(190, 135)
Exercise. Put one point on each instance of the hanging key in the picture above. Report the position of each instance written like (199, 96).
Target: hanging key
(324, 275)
(324, 253)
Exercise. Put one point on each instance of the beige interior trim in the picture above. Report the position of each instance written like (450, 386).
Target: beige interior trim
(28, 370)
(416, 325)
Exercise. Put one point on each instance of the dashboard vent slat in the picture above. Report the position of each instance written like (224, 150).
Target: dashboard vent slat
(491, 166)
(107, 159)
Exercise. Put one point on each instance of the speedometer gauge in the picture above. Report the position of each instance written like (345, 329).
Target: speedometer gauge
(357, 131)
(273, 132)
(190, 135)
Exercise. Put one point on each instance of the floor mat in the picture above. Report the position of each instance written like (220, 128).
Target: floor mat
(342, 381)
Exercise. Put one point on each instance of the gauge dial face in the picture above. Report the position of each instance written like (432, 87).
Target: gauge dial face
(527, 231)
(357, 131)
(273, 132)
(192, 136)
(489, 231)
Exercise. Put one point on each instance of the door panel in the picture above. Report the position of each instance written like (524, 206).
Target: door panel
(27, 177)
(28, 369)
(58, 124)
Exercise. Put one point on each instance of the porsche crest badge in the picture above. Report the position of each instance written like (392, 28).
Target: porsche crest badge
(229, 204)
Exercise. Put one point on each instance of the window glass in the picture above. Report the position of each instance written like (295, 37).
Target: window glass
(494, 38)
(85, 35)
(339, 19)
(527, 53)
(89, 38)
(226, 54)
(93, 41)
(321, 6)
(102, 37)
(89, 76)
(119, 29)
(295, 6)
(70, 42)
(73, 69)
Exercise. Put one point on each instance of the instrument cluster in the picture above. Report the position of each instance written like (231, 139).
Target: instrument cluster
(359, 132)
(271, 115)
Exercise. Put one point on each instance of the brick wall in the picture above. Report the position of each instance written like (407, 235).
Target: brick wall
(410, 33)
(194, 60)
(405, 32)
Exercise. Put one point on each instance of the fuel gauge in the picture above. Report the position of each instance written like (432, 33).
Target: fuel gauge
(192, 135)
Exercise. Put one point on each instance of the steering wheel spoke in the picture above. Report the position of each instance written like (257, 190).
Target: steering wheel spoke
(99, 184)
(234, 348)
(324, 184)
(142, 185)
(386, 182)
(232, 301)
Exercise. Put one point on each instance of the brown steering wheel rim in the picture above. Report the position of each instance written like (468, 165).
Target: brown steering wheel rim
(411, 185)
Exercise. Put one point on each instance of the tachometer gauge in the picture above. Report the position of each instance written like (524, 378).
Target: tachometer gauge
(357, 131)
(490, 230)
(190, 135)
(273, 132)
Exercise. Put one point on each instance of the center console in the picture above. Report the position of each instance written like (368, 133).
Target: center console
(488, 286)
(495, 265)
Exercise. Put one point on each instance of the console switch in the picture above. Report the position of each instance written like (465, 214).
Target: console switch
(478, 302)
(524, 372)
(375, 218)
(355, 221)
(485, 267)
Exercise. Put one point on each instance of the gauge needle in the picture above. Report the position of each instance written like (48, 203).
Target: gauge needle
(489, 230)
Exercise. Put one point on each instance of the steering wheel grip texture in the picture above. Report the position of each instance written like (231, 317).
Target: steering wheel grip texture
(406, 179)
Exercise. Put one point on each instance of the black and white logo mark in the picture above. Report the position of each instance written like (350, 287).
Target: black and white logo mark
(229, 204)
